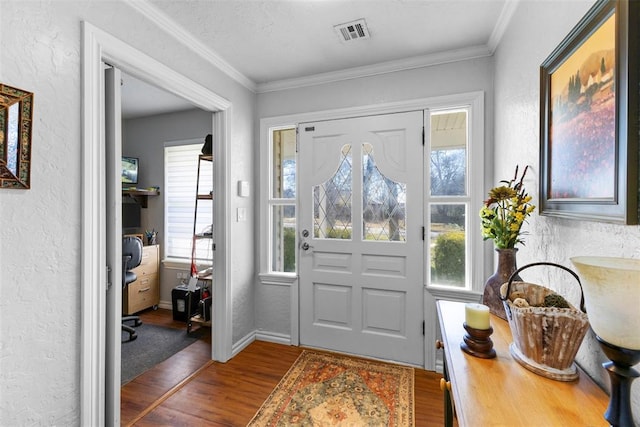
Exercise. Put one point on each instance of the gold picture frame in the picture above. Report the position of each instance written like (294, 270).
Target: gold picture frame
(16, 117)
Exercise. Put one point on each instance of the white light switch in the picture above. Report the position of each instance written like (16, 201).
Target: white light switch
(242, 214)
(243, 188)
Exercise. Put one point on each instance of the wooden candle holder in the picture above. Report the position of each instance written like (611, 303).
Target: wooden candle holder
(477, 342)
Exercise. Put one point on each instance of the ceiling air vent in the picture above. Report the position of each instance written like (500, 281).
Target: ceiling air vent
(352, 30)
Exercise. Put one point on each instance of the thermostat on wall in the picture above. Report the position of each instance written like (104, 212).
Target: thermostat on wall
(243, 188)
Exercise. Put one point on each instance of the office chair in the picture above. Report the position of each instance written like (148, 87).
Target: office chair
(131, 258)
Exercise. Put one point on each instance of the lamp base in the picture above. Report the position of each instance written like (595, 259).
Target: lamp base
(621, 374)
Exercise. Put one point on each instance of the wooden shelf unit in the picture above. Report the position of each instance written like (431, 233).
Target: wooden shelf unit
(500, 391)
(197, 318)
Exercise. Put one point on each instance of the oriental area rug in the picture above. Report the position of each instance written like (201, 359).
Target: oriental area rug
(331, 390)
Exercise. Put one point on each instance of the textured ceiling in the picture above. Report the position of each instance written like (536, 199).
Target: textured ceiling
(275, 40)
(274, 44)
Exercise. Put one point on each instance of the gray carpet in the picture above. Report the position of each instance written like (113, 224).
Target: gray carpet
(153, 345)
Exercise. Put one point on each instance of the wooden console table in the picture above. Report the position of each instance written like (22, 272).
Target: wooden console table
(501, 392)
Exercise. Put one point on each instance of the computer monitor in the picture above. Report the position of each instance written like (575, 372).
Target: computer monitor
(130, 166)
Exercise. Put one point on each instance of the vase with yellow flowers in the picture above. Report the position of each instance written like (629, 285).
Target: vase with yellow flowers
(502, 216)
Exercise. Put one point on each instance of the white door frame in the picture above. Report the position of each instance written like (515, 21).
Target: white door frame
(99, 46)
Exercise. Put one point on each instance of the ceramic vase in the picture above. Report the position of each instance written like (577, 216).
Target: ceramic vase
(504, 270)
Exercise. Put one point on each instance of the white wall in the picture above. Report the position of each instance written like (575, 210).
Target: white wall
(446, 79)
(40, 288)
(145, 138)
(535, 30)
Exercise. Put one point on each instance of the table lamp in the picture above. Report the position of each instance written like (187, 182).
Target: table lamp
(612, 297)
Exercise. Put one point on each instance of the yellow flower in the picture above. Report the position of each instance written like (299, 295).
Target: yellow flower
(502, 193)
(485, 212)
(503, 214)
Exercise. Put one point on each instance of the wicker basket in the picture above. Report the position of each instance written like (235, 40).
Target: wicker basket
(545, 339)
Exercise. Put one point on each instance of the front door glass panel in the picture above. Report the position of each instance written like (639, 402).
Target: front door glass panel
(383, 202)
(332, 201)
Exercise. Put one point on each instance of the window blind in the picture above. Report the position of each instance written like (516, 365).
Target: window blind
(181, 175)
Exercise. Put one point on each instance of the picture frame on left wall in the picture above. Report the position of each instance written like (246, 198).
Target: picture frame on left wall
(589, 119)
(16, 118)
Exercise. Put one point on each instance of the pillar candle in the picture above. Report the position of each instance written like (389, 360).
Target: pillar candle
(477, 316)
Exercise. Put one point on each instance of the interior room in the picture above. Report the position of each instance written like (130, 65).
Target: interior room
(447, 100)
(157, 128)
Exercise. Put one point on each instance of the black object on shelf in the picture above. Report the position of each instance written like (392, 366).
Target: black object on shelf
(204, 308)
(180, 299)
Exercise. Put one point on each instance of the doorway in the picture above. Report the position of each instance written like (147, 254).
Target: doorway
(100, 399)
(154, 127)
(361, 245)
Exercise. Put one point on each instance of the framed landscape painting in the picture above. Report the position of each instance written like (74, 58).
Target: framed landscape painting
(589, 119)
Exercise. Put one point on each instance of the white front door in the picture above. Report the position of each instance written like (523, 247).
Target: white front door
(361, 248)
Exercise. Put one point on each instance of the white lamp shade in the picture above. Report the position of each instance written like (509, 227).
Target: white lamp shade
(611, 289)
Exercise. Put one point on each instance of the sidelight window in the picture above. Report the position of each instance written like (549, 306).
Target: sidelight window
(282, 200)
(448, 198)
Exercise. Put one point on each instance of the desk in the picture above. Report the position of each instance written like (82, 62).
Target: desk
(145, 291)
(501, 392)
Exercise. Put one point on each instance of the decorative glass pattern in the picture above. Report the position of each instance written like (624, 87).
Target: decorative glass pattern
(383, 202)
(332, 202)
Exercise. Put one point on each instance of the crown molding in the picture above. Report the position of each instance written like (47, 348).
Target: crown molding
(172, 28)
(506, 14)
(376, 69)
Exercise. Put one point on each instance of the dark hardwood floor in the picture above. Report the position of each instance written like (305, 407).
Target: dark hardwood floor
(189, 389)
